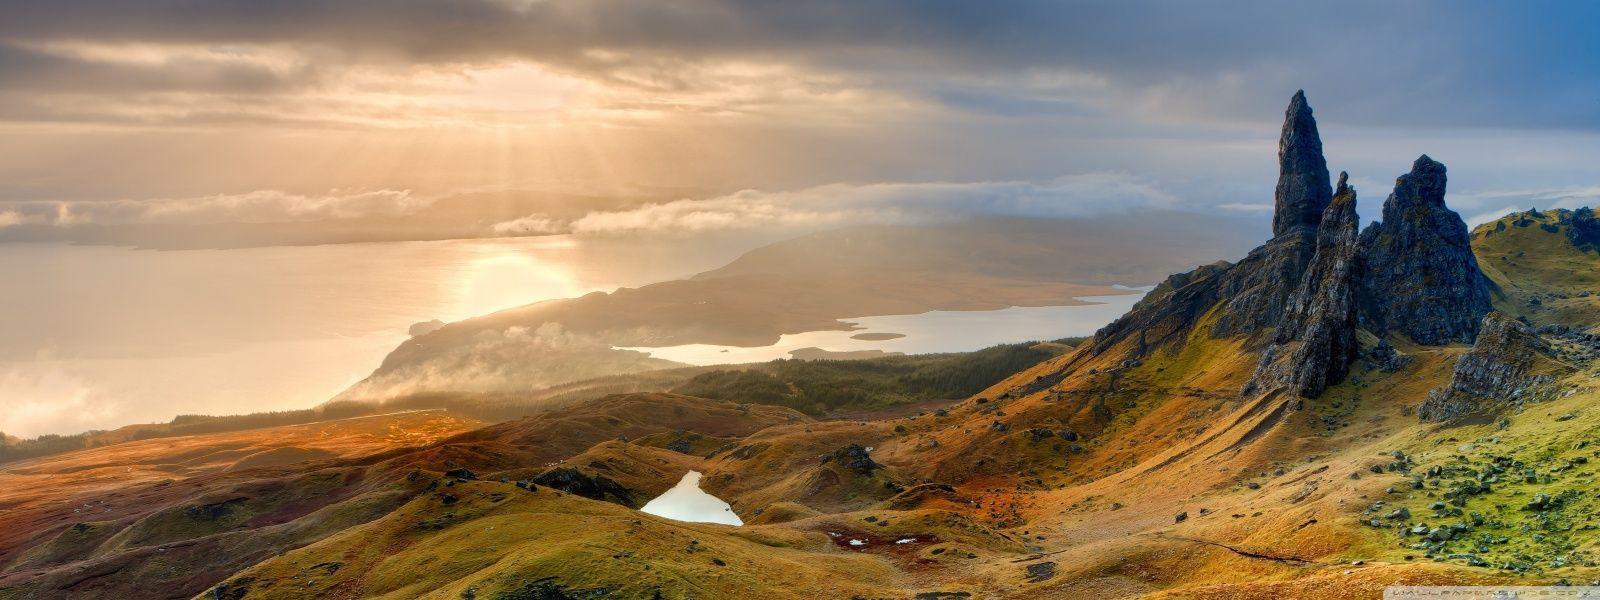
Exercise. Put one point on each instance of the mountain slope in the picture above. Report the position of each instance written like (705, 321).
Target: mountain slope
(800, 285)
(1164, 457)
(1261, 429)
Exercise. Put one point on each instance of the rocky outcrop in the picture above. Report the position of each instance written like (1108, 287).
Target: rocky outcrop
(1421, 277)
(1583, 229)
(1386, 358)
(1258, 287)
(854, 457)
(1302, 296)
(1496, 373)
(593, 487)
(1316, 342)
(1255, 289)
(1303, 192)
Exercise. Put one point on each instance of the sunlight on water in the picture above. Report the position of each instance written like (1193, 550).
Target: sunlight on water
(105, 336)
(687, 502)
(929, 332)
(501, 279)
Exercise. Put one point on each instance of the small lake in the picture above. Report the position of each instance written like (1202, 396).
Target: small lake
(687, 502)
(929, 332)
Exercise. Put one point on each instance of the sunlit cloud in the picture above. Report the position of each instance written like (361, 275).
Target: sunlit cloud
(529, 225)
(848, 204)
(50, 400)
(436, 95)
(265, 206)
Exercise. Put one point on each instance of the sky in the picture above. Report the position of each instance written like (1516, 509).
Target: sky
(689, 115)
(283, 130)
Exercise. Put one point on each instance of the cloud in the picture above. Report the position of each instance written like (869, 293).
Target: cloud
(263, 206)
(10, 218)
(50, 400)
(1246, 207)
(529, 225)
(1529, 66)
(516, 358)
(1490, 205)
(850, 204)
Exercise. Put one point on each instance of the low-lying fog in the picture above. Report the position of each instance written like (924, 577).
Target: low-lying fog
(100, 337)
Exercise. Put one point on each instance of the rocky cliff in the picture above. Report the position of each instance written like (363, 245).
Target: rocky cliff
(1255, 289)
(1316, 341)
(1301, 297)
(1302, 194)
(1498, 372)
(1421, 277)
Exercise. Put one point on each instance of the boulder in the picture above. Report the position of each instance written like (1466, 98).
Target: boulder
(1495, 373)
(593, 487)
(854, 457)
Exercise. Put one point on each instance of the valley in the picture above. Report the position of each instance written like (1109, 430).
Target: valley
(1340, 410)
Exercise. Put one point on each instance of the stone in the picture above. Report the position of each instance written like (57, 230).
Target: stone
(1540, 501)
(593, 487)
(854, 457)
(1038, 572)
(1583, 230)
(680, 446)
(1315, 344)
(1302, 194)
(1494, 374)
(1385, 357)
(1421, 278)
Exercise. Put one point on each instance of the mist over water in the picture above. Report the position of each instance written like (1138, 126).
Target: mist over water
(99, 336)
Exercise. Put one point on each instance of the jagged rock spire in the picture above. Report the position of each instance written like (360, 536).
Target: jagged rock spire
(1421, 277)
(1303, 191)
(1316, 341)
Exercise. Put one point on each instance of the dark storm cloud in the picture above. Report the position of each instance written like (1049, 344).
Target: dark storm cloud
(1528, 65)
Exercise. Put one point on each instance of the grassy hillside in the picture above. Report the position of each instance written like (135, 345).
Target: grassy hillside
(170, 518)
(813, 387)
(1545, 269)
(819, 387)
(1132, 470)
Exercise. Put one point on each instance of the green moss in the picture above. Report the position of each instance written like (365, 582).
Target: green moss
(1520, 499)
